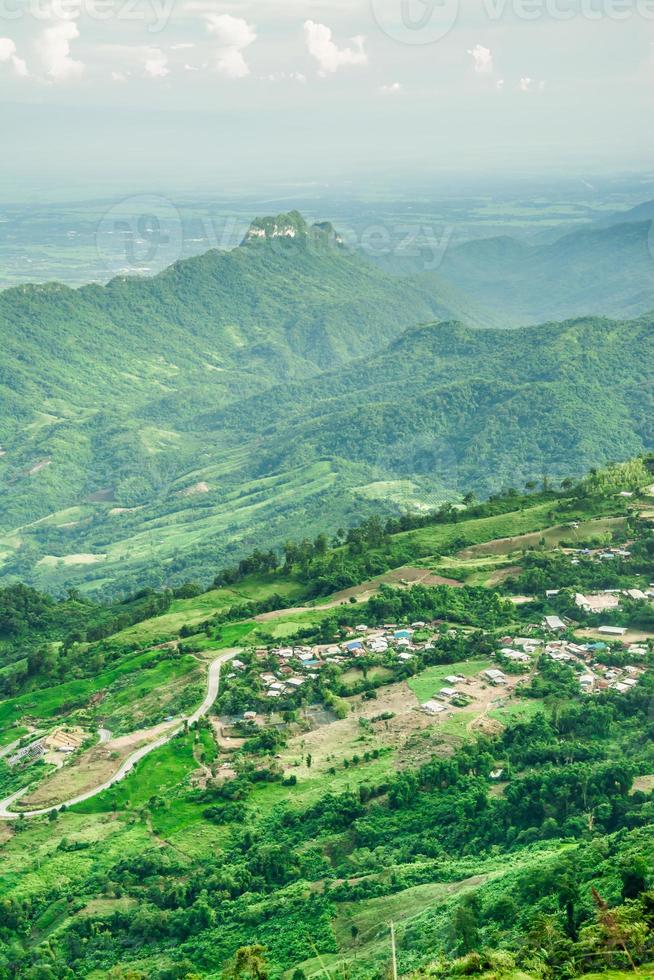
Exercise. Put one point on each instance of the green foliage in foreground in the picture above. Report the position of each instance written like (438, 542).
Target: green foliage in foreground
(555, 871)
(177, 871)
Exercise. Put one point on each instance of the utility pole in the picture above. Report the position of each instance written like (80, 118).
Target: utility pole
(393, 951)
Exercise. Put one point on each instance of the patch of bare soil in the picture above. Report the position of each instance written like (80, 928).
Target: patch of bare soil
(225, 742)
(643, 784)
(328, 745)
(486, 726)
(505, 546)
(502, 574)
(197, 488)
(631, 636)
(434, 580)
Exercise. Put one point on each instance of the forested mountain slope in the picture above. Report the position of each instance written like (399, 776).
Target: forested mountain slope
(443, 410)
(151, 427)
(100, 387)
(269, 310)
(476, 408)
(597, 271)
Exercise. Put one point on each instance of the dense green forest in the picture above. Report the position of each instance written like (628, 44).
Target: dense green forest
(154, 429)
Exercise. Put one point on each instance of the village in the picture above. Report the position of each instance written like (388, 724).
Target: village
(277, 679)
(516, 659)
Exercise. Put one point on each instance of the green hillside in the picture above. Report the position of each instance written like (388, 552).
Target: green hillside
(101, 388)
(508, 837)
(480, 409)
(445, 409)
(155, 428)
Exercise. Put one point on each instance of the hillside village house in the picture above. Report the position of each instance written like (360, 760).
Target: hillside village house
(554, 623)
(496, 677)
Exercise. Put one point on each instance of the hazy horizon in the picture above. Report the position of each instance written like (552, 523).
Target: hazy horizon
(252, 95)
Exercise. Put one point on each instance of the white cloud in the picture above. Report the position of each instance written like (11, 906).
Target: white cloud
(231, 63)
(54, 50)
(482, 58)
(8, 54)
(7, 49)
(286, 76)
(156, 63)
(529, 85)
(499, 84)
(234, 36)
(329, 56)
(20, 67)
(393, 89)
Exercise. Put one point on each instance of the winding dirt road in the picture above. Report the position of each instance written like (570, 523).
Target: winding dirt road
(213, 686)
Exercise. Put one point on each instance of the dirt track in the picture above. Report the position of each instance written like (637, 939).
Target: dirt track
(213, 684)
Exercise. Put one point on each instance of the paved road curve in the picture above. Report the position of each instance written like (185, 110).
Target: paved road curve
(213, 684)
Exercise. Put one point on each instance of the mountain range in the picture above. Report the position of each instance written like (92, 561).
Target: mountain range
(154, 429)
(589, 272)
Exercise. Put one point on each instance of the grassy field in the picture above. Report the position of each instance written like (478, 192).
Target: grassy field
(191, 612)
(355, 674)
(160, 774)
(9, 735)
(437, 538)
(516, 711)
(600, 530)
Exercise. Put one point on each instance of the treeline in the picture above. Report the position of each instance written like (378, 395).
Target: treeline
(370, 548)
(43, 639)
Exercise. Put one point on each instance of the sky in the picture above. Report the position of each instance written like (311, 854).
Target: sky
(260, 93)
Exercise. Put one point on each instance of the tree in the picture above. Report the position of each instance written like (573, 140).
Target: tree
(249, 962)
(634, 871)
(615, 935)
(465, 928)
